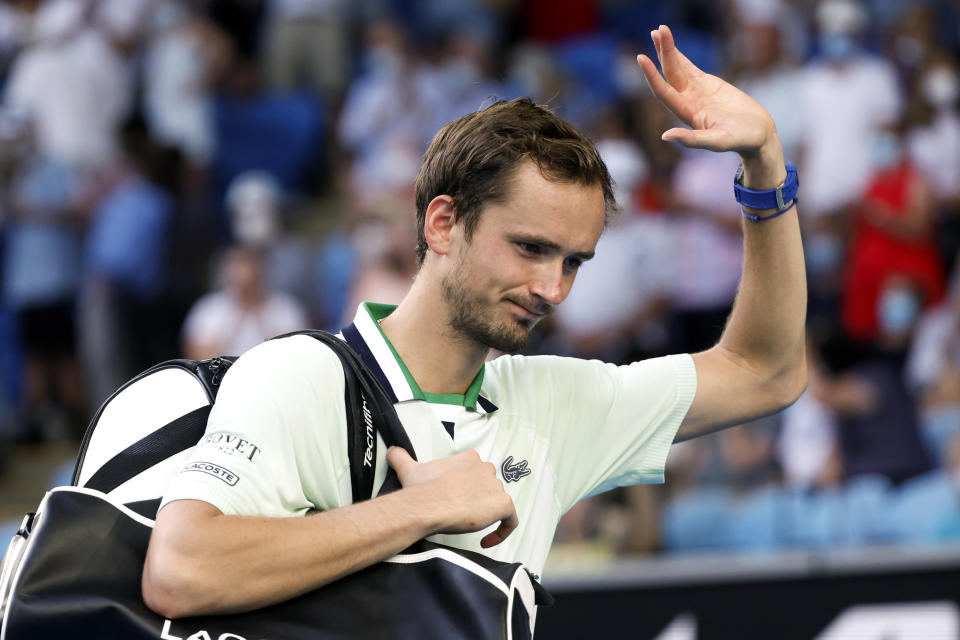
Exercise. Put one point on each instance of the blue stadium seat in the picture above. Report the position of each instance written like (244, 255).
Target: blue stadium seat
(694, 520)
(755, 522)
(921, 506)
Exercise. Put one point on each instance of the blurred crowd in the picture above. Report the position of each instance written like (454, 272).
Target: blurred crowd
(185, 178)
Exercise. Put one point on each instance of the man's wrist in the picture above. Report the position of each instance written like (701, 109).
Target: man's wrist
(764, 168)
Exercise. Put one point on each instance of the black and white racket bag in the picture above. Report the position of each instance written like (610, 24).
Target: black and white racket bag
(73, 570)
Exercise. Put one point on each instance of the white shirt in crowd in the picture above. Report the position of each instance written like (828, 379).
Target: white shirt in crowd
(843, 107)
(216, 318)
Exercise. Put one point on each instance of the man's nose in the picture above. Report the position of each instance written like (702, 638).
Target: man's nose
(549, 282)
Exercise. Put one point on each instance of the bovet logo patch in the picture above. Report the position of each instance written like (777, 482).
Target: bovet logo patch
(215, 470)
(231, 444)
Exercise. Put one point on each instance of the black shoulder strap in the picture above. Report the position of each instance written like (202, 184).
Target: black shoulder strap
(172, 438)
(369, 412)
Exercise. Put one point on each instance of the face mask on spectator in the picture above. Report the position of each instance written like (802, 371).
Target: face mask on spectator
(384, 61)
(837, 47)
(887, 151)
(823, 253)
(897, 310)
(459, 74)
(940, 87)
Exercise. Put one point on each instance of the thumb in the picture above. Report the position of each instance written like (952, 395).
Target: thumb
(399, 459)
(711, 139)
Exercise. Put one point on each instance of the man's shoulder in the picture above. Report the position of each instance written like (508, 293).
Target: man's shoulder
(520, 377)
(295, 359)
(550, 371)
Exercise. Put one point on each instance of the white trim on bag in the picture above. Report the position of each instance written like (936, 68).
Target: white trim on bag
(523, 585)
(127, 511)
(455, 558)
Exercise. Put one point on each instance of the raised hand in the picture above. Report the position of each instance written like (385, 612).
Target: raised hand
(463, 489)
(722, 117)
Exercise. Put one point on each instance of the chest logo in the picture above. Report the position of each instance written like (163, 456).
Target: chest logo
(513, 472)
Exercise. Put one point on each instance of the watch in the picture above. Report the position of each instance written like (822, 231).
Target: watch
(777, 198)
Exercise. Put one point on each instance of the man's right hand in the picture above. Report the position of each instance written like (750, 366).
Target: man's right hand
(464, 489)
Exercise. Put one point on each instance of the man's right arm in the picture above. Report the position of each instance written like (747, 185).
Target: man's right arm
(201, 561)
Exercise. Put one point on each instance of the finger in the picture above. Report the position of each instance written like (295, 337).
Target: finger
(507, 525)
(676, 67)
(399, 459)
(710, 139)
(662, 89)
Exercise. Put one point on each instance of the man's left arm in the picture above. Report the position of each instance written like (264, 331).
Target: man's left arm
(759, 366)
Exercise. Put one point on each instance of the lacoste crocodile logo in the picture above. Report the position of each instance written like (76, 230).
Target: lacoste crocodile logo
(513, 472)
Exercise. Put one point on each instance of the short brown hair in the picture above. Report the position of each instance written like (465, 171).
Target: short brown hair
(472, 159)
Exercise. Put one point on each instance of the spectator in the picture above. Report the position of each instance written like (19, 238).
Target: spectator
(185, 55)
(807, 449)
(306, 47)
(387, 266)
(242, 312)
(933, 372)
(933, 144)
(894, 233)
(707, 250)
(122, 315)
(257, 206)
(387, 120)
(41, 263)
(16, 19)
(639, 242)
(766, 69)
(73, 84)
(463, 77)
(877, 419)
(846, 96)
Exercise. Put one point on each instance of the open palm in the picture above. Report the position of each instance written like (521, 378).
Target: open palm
(723, 117)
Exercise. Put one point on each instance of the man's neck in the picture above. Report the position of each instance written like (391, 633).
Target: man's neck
(440, 360)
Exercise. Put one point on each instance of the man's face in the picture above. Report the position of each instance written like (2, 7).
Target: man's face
(521, 260)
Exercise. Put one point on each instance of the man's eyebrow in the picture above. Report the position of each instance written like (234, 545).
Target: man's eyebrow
(553, 246)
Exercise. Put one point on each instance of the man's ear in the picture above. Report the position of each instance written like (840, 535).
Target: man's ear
(438, 224)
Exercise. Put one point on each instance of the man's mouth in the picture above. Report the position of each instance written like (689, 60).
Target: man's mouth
(531, 312)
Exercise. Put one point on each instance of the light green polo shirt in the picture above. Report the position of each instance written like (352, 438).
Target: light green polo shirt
(557, 429)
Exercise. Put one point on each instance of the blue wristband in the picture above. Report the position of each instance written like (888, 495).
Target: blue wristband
(777, 198)
(750, 216)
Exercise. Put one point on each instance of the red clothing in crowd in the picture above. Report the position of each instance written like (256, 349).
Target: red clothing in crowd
(877, 252)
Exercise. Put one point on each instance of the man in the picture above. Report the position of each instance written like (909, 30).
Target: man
(510, 201)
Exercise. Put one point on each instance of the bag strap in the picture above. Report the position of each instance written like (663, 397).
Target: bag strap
(174, 437)
(370, 411)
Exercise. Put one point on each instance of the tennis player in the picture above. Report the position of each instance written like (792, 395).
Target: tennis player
(511, 200)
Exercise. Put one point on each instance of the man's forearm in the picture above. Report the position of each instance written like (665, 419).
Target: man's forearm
(766, 327)
(203, 562)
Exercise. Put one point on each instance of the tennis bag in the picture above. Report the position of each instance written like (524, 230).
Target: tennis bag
(74, 568)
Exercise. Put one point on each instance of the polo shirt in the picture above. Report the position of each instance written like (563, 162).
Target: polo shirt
(557, 430)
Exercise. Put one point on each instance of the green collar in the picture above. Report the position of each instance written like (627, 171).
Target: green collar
(378, 312)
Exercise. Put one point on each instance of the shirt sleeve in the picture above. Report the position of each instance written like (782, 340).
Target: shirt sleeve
(276, 440)
(607, 425)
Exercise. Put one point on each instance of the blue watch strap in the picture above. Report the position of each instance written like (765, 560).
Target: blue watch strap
(778, 198)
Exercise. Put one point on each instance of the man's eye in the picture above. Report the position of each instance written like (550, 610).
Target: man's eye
(529, 247)
(573, 263)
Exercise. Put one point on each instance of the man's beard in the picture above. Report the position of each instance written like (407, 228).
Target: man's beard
(468, 319)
